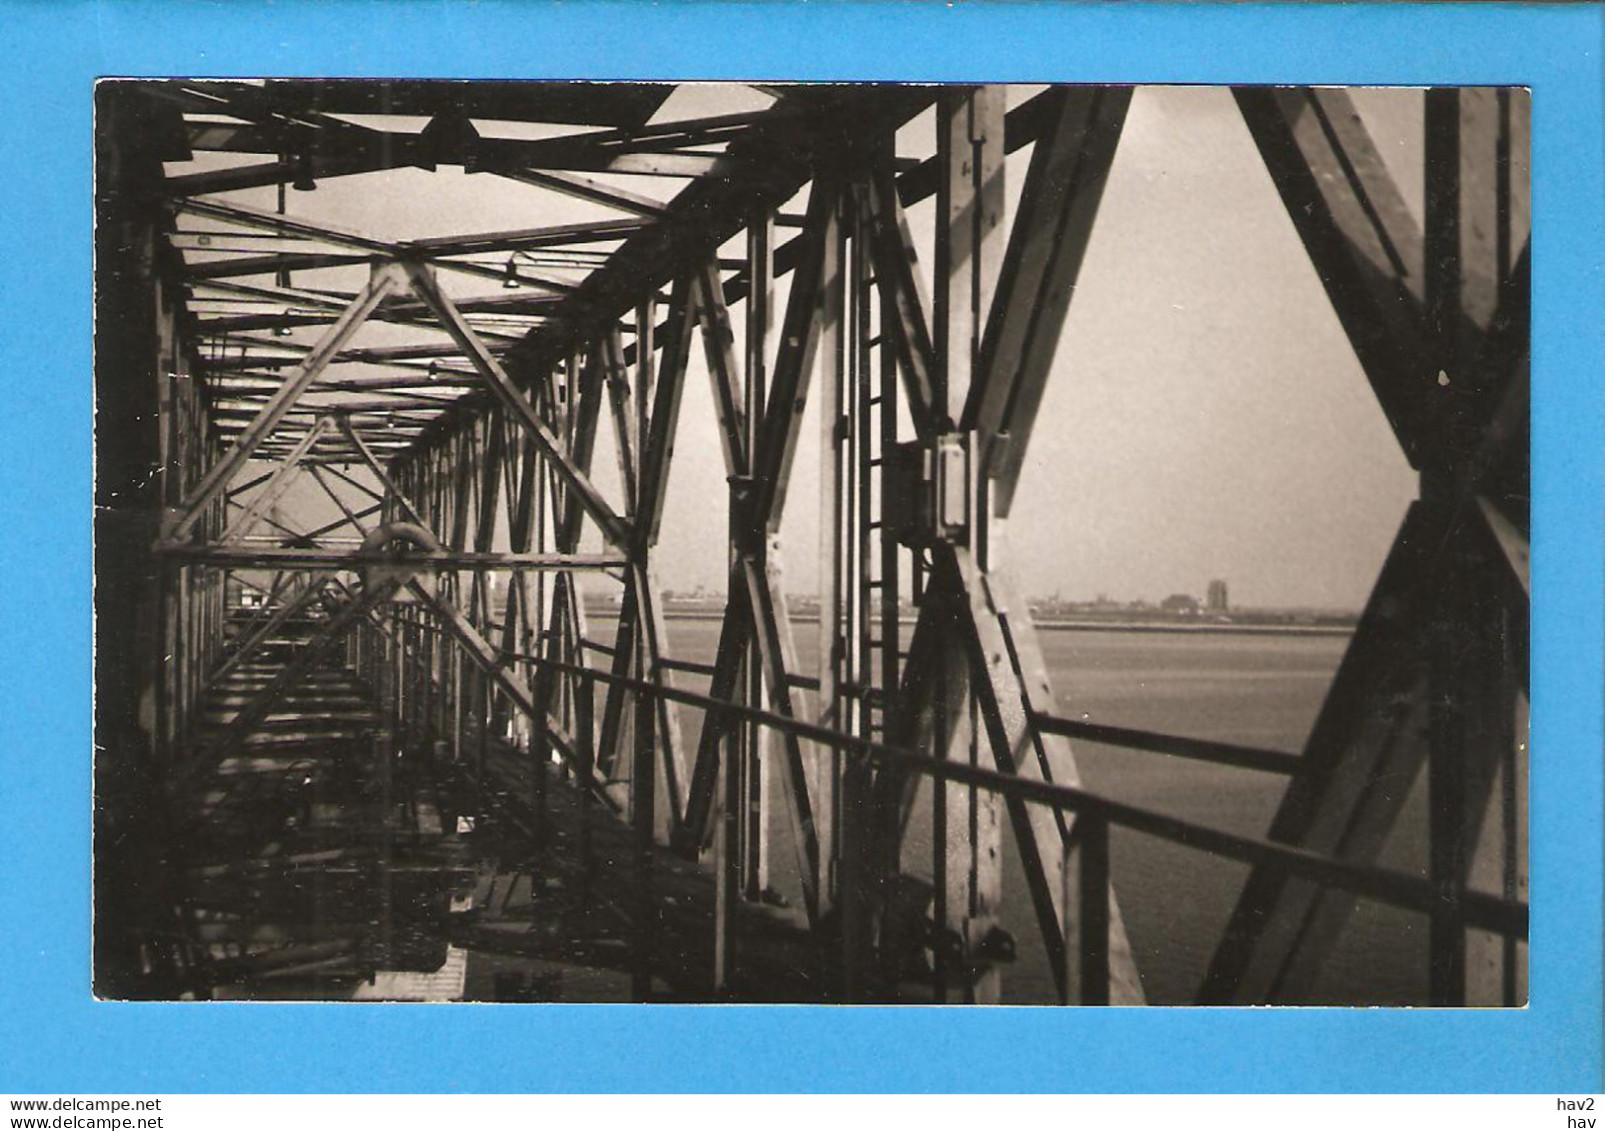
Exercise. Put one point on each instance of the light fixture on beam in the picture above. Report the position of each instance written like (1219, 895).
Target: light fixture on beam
(510, 280)
(434, 370)
(303, 181)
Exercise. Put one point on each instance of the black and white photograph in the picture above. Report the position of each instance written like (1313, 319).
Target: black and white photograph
(610, 542)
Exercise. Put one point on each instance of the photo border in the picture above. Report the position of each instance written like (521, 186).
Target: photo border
(54, 1036)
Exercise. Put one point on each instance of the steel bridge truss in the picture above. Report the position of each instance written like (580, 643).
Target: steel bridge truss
(474, 449)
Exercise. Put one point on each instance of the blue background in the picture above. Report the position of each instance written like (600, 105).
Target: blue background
(54, 1037)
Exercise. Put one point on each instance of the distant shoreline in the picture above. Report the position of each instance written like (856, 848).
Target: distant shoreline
(1172, 626)
(1052, 625)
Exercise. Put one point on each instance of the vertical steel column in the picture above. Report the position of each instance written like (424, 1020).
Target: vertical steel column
(646, 317)
(727, 858)
(831, 355)
(585, 755)
(857, 825)
(1448, 857)
(730, 854)
(533, 485)
(969, 252)
(756, 770)
(643, 791)
(431, 486)
(456, 696)
(384, 688)
(402, 696)
(540, 749)
(885, 828)
(1093, 834)
(732, 732)
(382, 744)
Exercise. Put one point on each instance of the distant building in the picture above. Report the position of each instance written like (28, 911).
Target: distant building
(1217, 601)
(1180, 603)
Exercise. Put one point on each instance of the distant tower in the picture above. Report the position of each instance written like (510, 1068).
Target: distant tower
(1217, 602)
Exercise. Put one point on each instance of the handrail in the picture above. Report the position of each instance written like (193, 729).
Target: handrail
(1412, 893)
(1198, 749)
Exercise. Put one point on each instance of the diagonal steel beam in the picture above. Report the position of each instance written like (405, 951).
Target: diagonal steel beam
(1364, 741)
(247, 216)
(579, 436)
(625, 442)
(239, 266)
(658, 447)
(1512, 543)
(750, 613)
(641, 634)
(522, 486)
(734, 634)
(586, 409)
(289, 469)
(496, 668)
(820, 258)
(1366, 734)
(345, 509)
(306, 658)
(383, 281)
(1010, 679)
(374, 249)
(584, 188)
(1362, 754)
(526, 239)
(1364, 243)
(777, 657)
(754, 614)
(248, 484)
(928, 707)
(273, 522)
(391, 490)
(613, 528)
(622, 663)
(395, 153)
(248, 646)
(626, 446)
(330, 527)
(651, 633)
(1052, 227)
(641, 615)
(1478, 162)
(490, 481)
(489, 660)
(897, 278)
(719, 345)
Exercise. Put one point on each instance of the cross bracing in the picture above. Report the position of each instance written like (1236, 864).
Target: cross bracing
(443, 389)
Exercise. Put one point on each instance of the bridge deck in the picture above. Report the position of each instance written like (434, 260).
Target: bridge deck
(316, 870)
